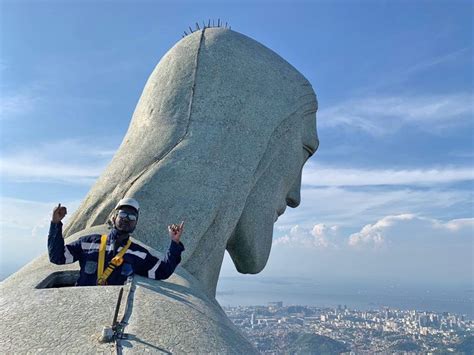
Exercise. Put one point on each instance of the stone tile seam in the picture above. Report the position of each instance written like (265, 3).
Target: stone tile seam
(193, 89)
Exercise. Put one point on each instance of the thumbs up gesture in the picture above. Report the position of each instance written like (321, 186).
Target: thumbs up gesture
(58, 213)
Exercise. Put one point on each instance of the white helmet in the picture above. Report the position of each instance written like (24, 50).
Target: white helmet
(128, 201)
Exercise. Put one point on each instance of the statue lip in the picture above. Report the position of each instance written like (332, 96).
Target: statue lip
(279, 212)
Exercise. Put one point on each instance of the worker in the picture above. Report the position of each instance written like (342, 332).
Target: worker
(111, 258)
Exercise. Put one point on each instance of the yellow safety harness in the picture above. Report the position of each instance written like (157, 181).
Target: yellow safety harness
(117, 260)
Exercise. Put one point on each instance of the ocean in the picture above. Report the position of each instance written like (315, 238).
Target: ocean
(457, 299)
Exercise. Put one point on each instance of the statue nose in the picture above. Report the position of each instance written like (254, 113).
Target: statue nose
(293, 201)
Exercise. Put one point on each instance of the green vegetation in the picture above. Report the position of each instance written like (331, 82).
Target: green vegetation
(405, 345)
(308, 343)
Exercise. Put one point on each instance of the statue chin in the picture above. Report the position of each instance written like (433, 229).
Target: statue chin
(250, 244)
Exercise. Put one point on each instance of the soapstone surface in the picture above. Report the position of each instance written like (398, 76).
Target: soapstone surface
(218, 139)
(170, 316)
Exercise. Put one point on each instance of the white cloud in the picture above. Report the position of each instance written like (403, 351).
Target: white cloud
(404, 247)
(22, 170)
(29, 215)
(389, 231)
(317, 175)
(349, 207)
(412, 229)
(350, 197)
(401, 75)
(22, 214)
(435, 61)
(459, 224)
(319, 236)
(24, 229)
(73, 161)
(384, 115)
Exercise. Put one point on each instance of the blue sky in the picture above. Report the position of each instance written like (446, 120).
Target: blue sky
(388, 195)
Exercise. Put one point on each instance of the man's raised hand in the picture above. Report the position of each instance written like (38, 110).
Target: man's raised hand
(58, 213)
(175, 231)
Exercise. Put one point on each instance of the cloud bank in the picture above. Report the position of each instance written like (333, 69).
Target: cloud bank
(72, 161)
(320, 175)
(379, 116)
(389, 231)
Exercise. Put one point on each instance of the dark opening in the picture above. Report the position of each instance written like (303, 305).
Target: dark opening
(60, 279)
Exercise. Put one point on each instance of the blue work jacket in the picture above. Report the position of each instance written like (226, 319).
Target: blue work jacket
(137, 259)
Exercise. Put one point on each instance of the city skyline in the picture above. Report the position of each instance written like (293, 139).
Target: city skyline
(277, 328)
(388, 195)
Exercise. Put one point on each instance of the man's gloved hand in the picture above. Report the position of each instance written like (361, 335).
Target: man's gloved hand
(175, 231)
(58, 213)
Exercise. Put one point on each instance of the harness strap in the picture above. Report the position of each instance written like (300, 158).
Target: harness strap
(116, 261)
(100, 266)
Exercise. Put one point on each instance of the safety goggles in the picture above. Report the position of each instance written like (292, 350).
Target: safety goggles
(130, 216)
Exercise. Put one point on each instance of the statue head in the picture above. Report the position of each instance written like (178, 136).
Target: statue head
(218, 139)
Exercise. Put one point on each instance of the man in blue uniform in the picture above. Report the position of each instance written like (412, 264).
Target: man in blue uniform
(120, 257)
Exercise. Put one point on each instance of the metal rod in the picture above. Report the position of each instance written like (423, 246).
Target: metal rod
(197, 26)
(117, 307)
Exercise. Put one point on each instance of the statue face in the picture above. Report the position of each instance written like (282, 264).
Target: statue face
(278, 186)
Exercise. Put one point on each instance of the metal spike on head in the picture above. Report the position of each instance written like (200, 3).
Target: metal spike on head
(219, 23)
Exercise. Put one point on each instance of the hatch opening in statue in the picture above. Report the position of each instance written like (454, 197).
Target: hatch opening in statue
(60, 279)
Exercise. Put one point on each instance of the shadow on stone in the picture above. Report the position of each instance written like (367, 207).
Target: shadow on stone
(59, 279)
(127, 344)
